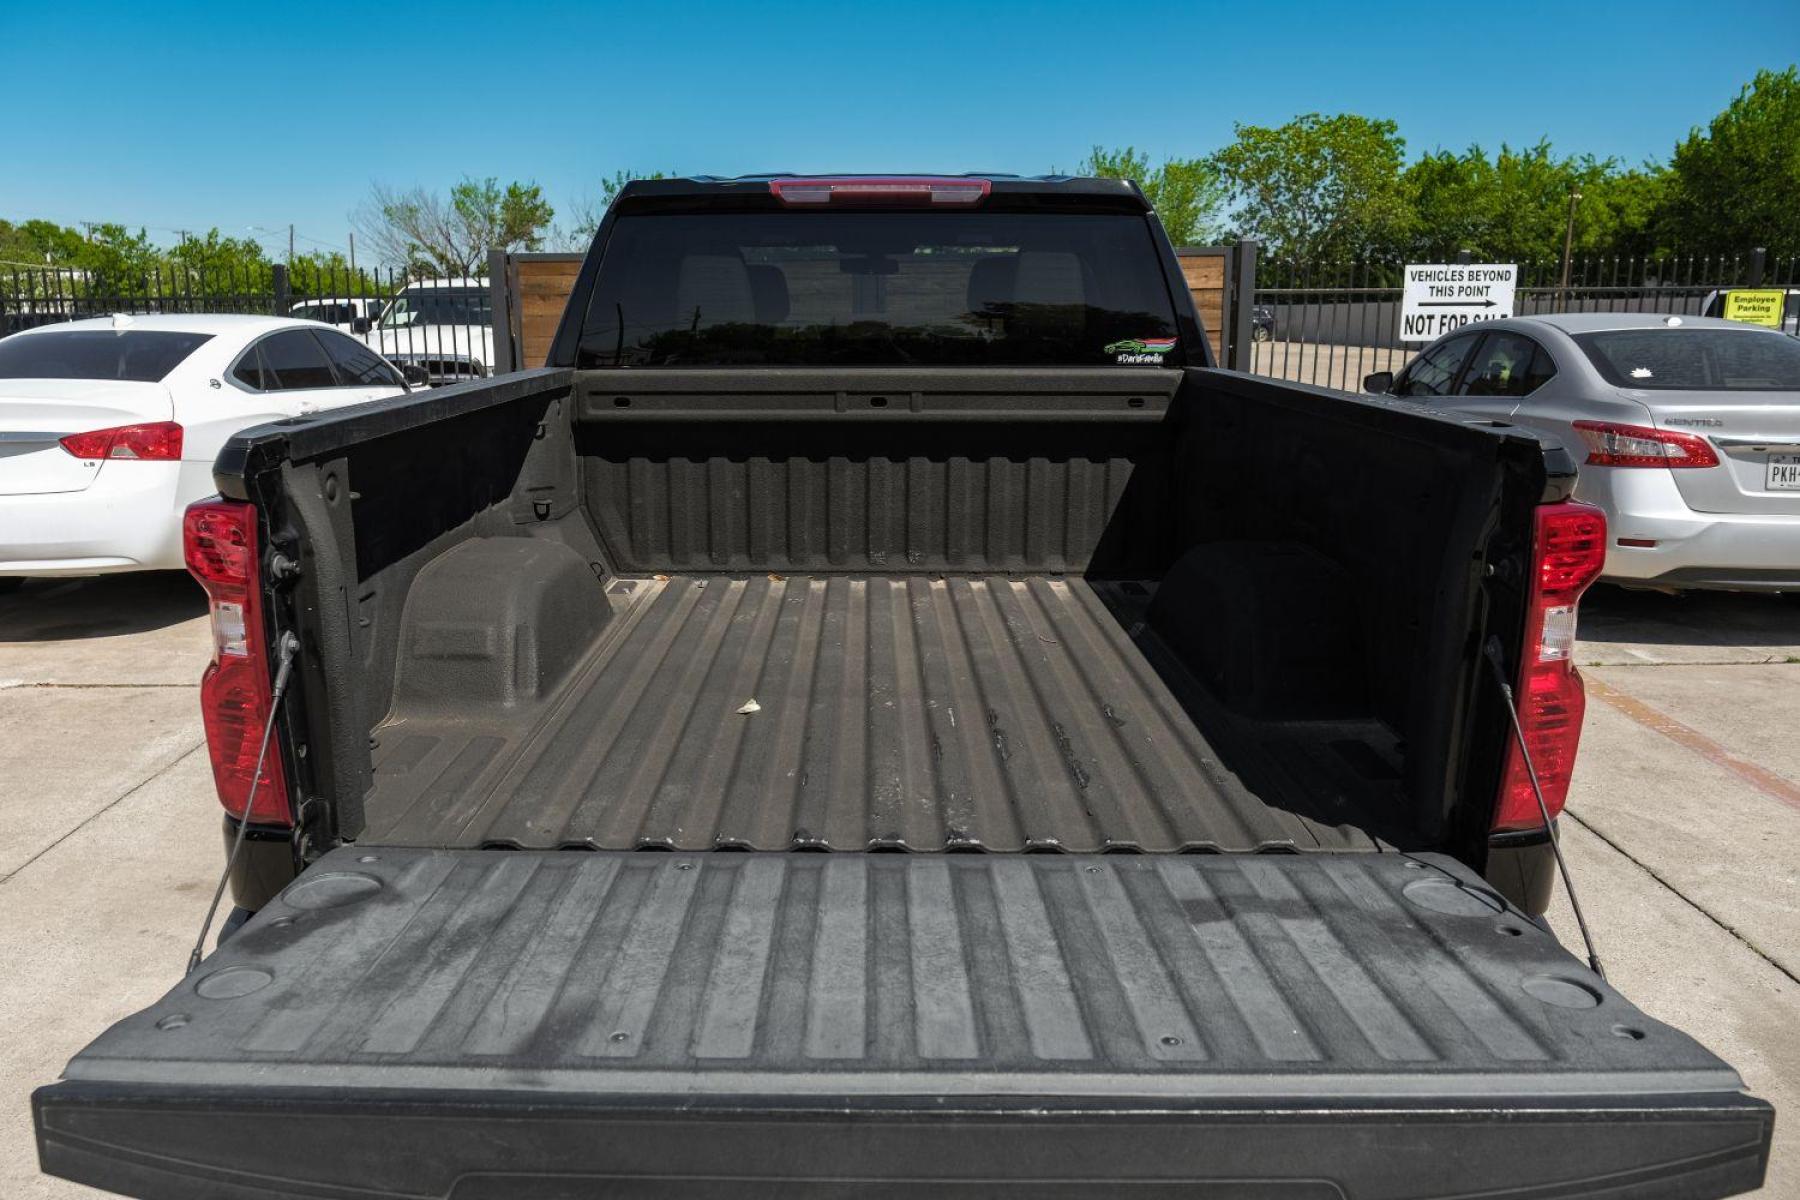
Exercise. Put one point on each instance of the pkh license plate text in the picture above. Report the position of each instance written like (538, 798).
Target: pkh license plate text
(1784, 473)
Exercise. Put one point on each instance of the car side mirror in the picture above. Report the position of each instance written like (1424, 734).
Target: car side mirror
(415, 375)
(360, 325)
(1380, 383)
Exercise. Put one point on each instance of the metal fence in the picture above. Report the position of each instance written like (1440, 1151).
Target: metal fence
(441, 325)
(1332, 323)
(1322, 323)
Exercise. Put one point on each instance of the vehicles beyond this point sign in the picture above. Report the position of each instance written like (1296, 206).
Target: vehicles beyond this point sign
(1440, 297)
(1757, 306)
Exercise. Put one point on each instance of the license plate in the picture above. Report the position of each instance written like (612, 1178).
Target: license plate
(1784, 473)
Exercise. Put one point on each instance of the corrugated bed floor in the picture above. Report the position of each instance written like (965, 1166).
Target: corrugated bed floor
(999, 713)
(834, 974)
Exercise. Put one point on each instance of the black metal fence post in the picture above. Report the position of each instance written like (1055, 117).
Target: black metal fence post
(282, 298)
(1243, 304)
(498, 286)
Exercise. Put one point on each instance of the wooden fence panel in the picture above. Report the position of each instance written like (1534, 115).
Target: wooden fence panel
(1204, 270)
(541, 291)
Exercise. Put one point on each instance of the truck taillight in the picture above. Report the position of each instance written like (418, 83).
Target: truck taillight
(219, 542)
(1568, 552)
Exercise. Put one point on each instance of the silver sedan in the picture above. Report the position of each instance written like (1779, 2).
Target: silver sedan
(1687, 430)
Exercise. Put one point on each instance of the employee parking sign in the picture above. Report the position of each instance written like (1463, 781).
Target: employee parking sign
(1757, 306)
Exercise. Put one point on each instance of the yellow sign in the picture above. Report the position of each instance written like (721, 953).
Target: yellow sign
(1758, 307)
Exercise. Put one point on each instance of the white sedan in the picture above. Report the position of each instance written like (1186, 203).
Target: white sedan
(109, 427)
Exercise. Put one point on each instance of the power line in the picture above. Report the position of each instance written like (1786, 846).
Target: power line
(292, 234)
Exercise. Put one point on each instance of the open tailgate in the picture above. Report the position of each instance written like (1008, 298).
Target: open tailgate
(551, 1025)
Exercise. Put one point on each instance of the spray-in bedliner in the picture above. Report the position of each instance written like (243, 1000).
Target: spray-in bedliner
(990, 712)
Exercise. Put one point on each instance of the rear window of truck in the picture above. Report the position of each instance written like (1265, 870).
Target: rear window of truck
(135, 356)
(879, 288)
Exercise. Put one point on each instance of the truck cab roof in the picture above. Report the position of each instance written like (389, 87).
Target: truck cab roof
(1000, 188)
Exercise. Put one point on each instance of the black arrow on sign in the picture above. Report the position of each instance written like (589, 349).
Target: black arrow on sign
(1457, 303)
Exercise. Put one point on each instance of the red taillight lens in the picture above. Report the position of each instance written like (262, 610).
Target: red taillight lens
(894, 189)
(236, 693)
(1568, 552)
(1611, 445)
(158, 442)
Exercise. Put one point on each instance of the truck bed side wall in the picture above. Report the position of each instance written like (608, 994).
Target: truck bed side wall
(365, 499)
(1423, 515)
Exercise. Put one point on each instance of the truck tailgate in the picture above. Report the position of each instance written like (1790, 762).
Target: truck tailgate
(478, 1024)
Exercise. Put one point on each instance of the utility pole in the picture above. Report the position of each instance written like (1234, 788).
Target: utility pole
(291, 242)
(1562, 296)
(353, 253)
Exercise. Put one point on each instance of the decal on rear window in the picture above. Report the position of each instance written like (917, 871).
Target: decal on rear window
(1140, 350)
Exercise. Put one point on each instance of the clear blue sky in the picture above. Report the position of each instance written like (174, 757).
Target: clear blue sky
(187, 114)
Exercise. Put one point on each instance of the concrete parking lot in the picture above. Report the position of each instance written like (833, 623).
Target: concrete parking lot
(1683, 830)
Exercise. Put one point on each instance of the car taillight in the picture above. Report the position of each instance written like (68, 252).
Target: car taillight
(1568, 552)
(158, 442)
(1611, 445)
(236, 693)
(893, 189)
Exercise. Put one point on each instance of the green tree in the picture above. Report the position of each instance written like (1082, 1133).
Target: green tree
(212, 253)
(452, 235)
(38, 244)
(1515, 206)
(1186, 193)
(1319, 186)
(585, 214)
(117, 261)
(328, 273)
(611, 186)
(1733, 185)
(214, 265)
(1619, 210)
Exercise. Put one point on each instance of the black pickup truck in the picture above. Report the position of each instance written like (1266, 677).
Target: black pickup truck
(881, 714)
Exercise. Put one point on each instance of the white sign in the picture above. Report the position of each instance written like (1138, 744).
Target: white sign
(1440, 297)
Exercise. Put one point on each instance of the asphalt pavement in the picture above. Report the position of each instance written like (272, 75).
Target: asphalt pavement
(1683, 834)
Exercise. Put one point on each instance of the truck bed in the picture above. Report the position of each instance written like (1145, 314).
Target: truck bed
(904, 711)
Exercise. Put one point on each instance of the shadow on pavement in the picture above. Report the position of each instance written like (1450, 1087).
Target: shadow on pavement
(52, 610)
(1614, 614)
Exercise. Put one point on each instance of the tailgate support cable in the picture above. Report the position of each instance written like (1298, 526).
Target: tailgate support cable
(286, 647)
(1494, 655)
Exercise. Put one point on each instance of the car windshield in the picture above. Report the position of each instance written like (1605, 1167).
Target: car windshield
(133, 355)
(438, 306)
(1705, 360)
(880, 288)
